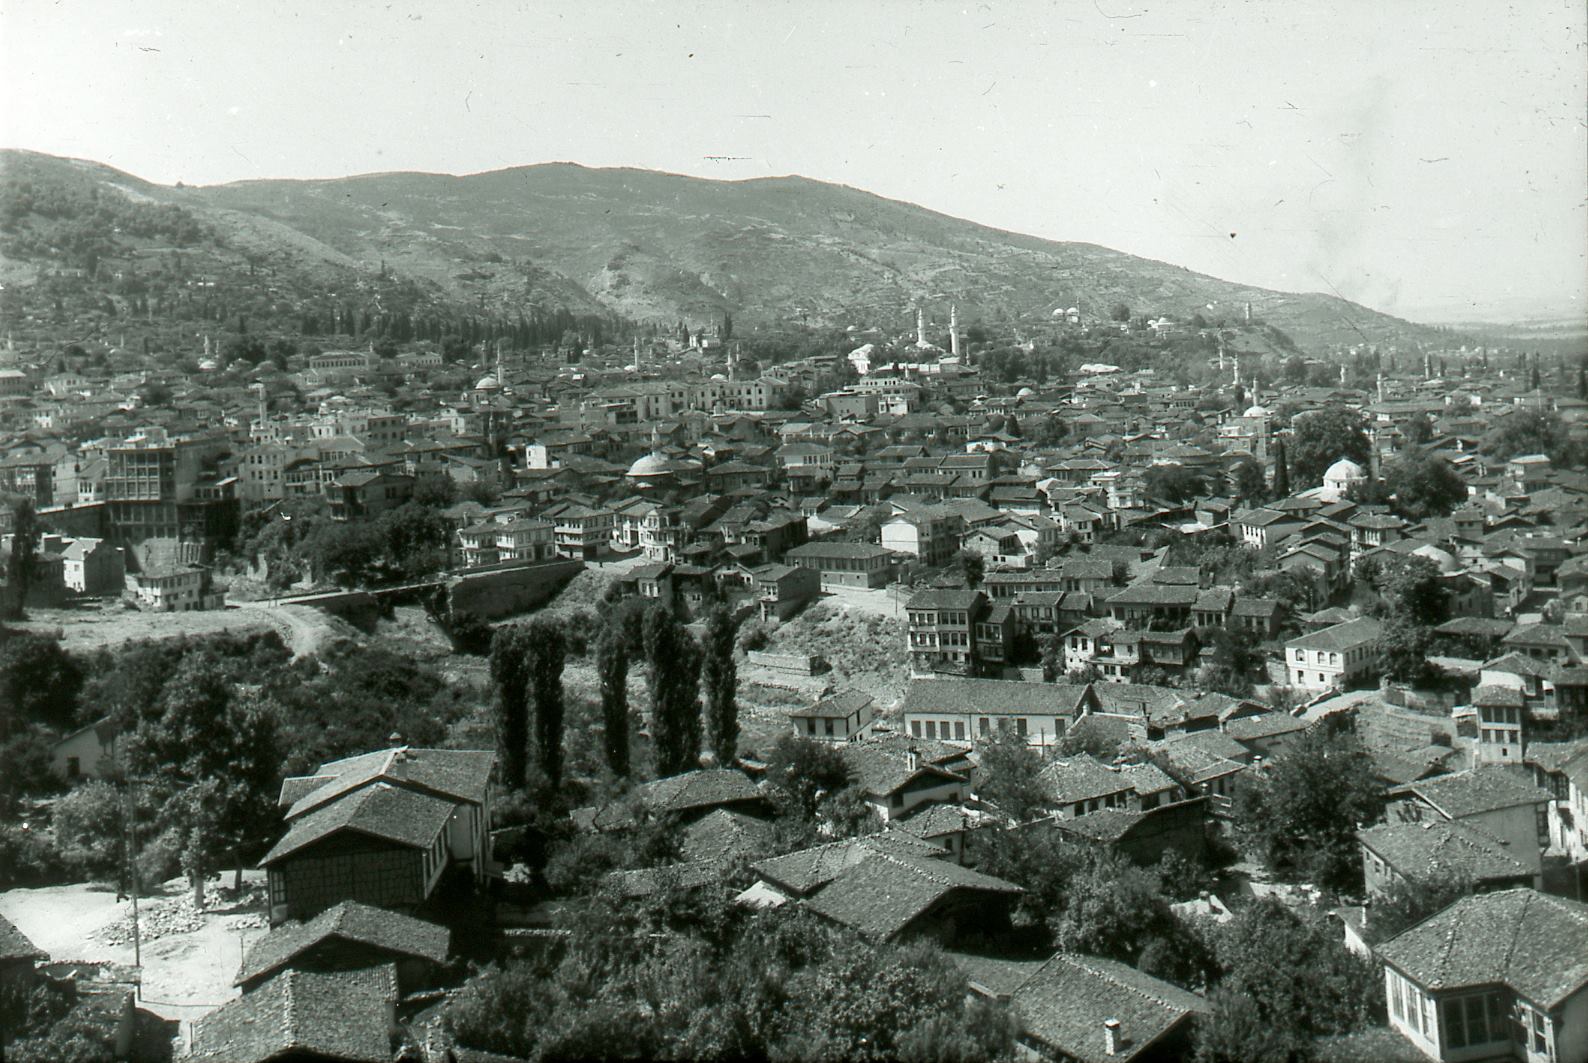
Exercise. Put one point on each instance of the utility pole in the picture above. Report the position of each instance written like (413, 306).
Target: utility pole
(132, 876)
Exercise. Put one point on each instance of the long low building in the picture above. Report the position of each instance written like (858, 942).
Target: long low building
(965, 710)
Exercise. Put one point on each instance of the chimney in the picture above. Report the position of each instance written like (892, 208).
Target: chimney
(1112, 1039)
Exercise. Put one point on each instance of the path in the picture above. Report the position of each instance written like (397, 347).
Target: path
(185, 974)
(304, 627)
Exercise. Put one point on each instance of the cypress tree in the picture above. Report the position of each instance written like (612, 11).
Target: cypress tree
(673, 679)
(510, 709)
(720, 674)
(612, 671)
(546, 653)
(1281, 472)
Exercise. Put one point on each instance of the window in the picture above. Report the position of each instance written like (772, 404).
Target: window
(1540, 1033)
(915, 728)
(931, 728)
(810, 726)
(1020, 726)
(959, 730)
(982, 726)
(74, 767)
(828, 727)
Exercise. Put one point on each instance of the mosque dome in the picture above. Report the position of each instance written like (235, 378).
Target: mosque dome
(488, 382)
(1256, 411)
(650, 467)
(1024, 393)
(1344, 469)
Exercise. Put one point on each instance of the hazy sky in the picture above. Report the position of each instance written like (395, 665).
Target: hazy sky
(1425, 157)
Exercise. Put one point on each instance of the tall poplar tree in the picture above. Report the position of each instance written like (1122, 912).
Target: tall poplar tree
(545, 655)
(673, 679)
(612, 672)
(510, 710)
(720, 675)
(1281, 472)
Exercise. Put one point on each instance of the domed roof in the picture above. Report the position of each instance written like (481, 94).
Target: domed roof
(1345, 469)
(1256, 411)
(651, 465)
(1024, 393)
(487, 382)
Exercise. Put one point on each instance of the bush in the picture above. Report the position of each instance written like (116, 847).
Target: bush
(27, 857)
(754, 636)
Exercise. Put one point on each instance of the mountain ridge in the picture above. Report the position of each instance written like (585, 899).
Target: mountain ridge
(657, 246)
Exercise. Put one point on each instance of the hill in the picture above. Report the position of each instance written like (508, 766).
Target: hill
(633, 244)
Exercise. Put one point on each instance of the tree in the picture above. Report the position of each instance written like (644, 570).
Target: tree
(1528, 432)
(21, 564)
(1115, 909)
(892, 1003)
(214, 756)
(972, 566)
(803, 772)
(1419, 429)
(510, 707)
(1301, 814)
(1176, 484)
(1296, 974)
(612, 675)
(1052, 658)
(546, 654)
(1321, 437)
(1119, 312)
(1414, 590)
(673, 677)
(1281, 472)
(720, 675)
(1403, 649)
(1229, 662)
(1011, 777)
(39, 683)
(1246, 477)
(1424, 485)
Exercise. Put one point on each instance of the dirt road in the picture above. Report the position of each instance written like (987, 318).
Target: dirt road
(186, 973)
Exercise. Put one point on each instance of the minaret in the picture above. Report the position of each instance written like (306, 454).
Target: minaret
(1248, 313)
(501, 381)
(1381, 387)
(920, 326)
(953, 331)
(636, 352)
(1237, 373)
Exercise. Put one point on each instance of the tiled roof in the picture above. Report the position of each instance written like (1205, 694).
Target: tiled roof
(1066, 1002)
(461, 774)
(1081, 778)
(995, 697)
(837, 706)
(723, 834)
(881, 896)
(1478, 790)
(1427, 849)
(14, 945)
(884, 768)
(808, 869)
(381, 811)
(349, 921)
(691, 791)
(1339, 637)
(1104, 825)
(341, 1015)
(1532, 942)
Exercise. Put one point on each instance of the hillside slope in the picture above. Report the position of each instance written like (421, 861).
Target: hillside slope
(654, 246)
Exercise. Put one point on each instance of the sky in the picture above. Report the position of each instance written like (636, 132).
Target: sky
(1428, 158)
